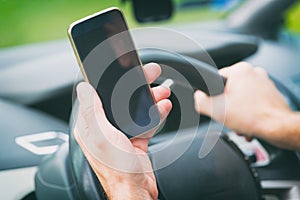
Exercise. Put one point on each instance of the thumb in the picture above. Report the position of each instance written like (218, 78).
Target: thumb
(92, 127)
(202, 103)
(90, 112)
(90, 104)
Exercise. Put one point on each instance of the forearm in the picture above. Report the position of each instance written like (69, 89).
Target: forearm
(284, 132)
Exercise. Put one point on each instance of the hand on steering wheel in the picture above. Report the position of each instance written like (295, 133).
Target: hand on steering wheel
(253, 106)
(121, 165)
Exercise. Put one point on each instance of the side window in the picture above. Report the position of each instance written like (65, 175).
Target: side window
(293, 18)
(290, 33)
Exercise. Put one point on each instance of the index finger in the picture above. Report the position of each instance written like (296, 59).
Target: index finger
(152, 72)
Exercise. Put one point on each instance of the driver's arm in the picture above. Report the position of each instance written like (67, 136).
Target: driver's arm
(253, 107)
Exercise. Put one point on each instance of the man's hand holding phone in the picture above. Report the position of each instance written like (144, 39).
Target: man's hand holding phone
(121, 164)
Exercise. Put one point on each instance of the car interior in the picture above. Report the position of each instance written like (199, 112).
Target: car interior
(38, 110)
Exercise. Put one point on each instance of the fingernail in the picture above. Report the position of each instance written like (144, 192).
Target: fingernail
(83, 91)
(167, 83)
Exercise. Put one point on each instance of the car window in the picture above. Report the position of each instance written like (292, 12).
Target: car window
(30, 21)
(293, 18)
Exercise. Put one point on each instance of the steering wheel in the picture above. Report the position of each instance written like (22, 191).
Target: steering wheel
(222, 174)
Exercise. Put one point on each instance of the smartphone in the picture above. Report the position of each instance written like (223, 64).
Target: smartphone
(110, 63)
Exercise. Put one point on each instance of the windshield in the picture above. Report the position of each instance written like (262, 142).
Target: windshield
(32, 21)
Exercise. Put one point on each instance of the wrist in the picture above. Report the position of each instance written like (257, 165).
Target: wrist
(278, 128)
(272, 123)
(124, 191)
(119, 187)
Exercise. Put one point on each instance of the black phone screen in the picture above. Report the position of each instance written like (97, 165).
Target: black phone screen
(107, 53)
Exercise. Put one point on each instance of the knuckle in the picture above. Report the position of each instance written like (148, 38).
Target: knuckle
(81, 128)
(246, 66)
(261, 71)
(87, 111)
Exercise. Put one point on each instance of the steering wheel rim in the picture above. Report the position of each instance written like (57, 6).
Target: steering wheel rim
(86, 181)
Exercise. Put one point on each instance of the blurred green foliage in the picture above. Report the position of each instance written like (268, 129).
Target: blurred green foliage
(28, 21)
(293, 19)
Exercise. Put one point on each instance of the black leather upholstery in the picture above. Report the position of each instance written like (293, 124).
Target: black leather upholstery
(222, 174)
